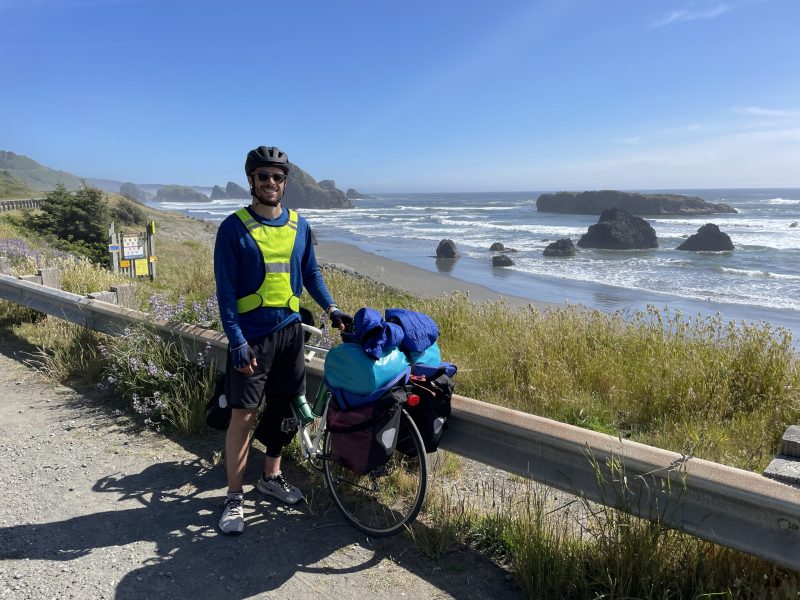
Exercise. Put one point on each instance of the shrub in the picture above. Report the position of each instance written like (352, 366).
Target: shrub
(74, 221)
(126, 212)
(155, 378)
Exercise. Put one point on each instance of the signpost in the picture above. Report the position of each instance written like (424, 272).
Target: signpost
(133, 253)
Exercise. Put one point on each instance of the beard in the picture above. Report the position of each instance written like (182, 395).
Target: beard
(274, 201)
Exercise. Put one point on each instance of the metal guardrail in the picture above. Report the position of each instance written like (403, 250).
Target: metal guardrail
(732, 507)
(20, 204)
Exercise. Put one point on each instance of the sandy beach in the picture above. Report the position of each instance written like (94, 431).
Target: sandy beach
(409, 278)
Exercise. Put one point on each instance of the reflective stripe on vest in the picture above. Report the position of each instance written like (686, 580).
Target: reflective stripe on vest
(276, 245)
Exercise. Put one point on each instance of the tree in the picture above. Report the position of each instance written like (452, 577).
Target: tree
(77, 220)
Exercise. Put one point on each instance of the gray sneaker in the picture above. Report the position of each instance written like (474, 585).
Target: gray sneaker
(232, 520)
(280, 488)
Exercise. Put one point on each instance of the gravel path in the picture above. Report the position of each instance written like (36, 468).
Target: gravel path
(99, 508)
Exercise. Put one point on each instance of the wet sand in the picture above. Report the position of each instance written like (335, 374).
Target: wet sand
(409, 278)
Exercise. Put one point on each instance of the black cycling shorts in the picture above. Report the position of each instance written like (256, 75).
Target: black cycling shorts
(280, 373)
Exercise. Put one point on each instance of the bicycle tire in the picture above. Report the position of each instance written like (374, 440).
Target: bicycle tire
(388, 499)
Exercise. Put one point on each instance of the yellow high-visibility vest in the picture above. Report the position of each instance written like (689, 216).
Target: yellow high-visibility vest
(276, 244)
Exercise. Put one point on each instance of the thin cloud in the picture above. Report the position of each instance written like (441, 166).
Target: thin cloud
(757, 111)
(684, 129)
(689, 14)
(629, 141)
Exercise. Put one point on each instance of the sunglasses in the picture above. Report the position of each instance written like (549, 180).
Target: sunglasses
(276, 177)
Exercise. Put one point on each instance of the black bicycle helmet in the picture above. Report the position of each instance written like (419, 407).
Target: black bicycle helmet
(266, 156)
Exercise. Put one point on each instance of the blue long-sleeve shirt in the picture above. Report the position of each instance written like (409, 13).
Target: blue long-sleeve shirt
(239, 270)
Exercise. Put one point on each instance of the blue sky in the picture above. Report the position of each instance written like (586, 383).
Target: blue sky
(409, 96)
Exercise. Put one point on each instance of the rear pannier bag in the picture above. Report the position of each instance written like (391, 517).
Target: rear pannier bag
(363, 438)
(430, 414)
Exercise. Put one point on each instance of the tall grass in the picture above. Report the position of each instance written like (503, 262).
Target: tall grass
(185, 268)
(65, 350)
(582, 550)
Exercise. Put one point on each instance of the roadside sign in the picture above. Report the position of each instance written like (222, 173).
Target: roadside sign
(141, 267)
(132, 246)
(133, 253)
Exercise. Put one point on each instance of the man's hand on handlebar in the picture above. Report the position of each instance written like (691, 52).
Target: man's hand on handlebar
(341, 320)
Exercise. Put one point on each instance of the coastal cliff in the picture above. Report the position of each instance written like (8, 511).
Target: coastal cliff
(179, 193)
(303, 191)
(595, 202)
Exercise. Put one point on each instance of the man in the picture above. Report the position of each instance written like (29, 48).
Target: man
(263, 258)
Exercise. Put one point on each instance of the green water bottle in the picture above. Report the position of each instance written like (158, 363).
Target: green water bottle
(320, 399)
(303, 409)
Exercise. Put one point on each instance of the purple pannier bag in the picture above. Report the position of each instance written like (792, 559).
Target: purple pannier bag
(363, 438)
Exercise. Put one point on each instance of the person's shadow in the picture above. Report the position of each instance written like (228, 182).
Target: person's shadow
(175, 506)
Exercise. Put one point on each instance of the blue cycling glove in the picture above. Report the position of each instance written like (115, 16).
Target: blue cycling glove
(339, 318)
(241, 356)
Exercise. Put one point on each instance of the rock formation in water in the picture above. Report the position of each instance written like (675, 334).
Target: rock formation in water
(502, 261)
(617, 229)
(447, 249)
(179, 193)
(354, 194)
(235, 191)
(303, 191)
(709, 239)
(562, 247)
(132, 191)
(595, 202)
(217, 193)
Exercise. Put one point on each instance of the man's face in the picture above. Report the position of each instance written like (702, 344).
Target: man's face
(264, 181)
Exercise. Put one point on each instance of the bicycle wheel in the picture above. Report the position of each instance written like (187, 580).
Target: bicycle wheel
(385, 500)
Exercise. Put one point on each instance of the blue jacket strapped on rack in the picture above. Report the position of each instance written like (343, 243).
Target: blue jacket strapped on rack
(376, 336)
(420, 331)
(410, 331)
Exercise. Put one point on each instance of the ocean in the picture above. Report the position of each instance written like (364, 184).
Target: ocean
(758, 281)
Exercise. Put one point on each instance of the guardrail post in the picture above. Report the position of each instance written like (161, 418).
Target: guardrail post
(126, 295)
(786, 466)
(31, 278)
(5, 268)
(110, 297)
(50, 277)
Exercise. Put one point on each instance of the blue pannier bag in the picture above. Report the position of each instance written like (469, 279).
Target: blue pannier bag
(429, 370)
(355, 379)
(348, 400)
(431, 356)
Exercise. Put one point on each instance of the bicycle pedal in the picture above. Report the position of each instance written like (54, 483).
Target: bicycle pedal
(290, 424)
(377, 472)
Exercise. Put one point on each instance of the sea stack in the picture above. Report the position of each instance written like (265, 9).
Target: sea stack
(617, 229)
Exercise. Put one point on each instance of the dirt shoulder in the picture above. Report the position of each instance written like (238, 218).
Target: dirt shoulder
(100, 508)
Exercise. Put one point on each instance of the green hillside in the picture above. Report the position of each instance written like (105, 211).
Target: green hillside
(11, 187)
(36, 176)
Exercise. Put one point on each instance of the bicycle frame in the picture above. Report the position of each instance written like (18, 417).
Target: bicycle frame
(311, 447)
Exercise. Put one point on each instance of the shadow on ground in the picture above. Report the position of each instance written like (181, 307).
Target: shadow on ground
(167, 520)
